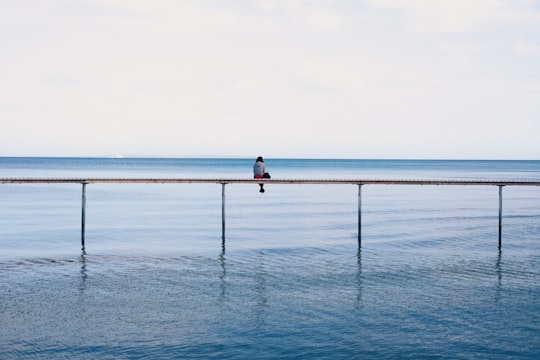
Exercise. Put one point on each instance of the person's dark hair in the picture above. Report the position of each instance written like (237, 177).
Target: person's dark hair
(260, 159)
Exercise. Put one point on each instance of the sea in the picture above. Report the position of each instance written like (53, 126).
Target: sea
(157, 279)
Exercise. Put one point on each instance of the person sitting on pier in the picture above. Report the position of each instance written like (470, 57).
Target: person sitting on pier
(259, 172)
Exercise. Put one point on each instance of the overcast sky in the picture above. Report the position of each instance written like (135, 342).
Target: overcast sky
(435, 79)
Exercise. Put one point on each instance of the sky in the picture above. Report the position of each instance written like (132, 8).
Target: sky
(364, 79)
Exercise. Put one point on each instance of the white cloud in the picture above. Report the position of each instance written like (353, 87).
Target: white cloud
(461, 15)
(527, 48)
(331, 75)
(322, 21)
(461, 53)
(169, 16)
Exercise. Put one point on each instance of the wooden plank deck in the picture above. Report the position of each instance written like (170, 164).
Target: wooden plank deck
(268, 181)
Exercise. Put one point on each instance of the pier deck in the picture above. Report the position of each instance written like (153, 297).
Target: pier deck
(225, 181)
(268, 181)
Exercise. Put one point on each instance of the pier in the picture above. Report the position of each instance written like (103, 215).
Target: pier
(223, 182)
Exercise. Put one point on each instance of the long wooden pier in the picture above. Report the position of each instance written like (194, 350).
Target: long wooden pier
(223, 182)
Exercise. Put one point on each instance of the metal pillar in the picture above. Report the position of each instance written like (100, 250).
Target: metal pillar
(359, 215)
(223, 214)
(83, 215)
(500, 216)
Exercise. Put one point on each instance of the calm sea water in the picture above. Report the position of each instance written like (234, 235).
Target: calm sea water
(155, 282)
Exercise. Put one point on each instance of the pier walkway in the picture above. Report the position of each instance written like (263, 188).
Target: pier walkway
(223, 182)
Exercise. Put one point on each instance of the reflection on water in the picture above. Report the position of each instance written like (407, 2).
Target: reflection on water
(261, 296)
(84, 275)
(296, 302)
(223, 274)
(359, 278)
(498, 267)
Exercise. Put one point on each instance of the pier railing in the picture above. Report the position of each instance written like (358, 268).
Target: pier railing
(223, 182)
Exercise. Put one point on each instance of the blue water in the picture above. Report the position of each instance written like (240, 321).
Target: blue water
(155, 282)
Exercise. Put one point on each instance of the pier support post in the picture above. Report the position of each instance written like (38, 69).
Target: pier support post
(359, 215)
(500, 216)
(83, 215)
(223, 214)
